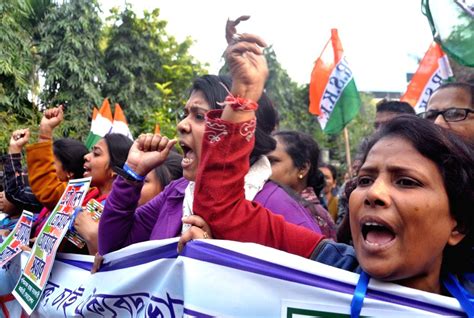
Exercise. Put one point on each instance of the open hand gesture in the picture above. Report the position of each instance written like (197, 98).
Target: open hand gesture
(148, 152)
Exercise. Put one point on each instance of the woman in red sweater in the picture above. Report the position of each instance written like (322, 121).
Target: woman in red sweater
(410, 207)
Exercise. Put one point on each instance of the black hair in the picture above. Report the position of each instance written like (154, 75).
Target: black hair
(267, 119)
(467, 87)
(303, 150)
(454, 158)
(394, 106)
(70, 153)
(331, 168)
(170, 170)
(118, 146)
(216, 87)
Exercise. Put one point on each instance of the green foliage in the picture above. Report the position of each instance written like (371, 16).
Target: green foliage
(16, 59)
(72, 63)
(19, 22)
(133, 61)
(288, 97)
(152, 85)
(179, 69)
(10, 121)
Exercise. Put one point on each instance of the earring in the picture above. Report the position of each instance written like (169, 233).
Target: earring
(300, 176)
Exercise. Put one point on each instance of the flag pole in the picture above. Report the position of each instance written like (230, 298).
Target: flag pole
(348, 151)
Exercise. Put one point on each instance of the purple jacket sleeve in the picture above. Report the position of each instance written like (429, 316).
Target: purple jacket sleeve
(277, 200)
(121, 223)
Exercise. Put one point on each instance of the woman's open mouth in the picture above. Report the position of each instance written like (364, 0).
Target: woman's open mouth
(377, 234)
(188, 155)
(87, 171)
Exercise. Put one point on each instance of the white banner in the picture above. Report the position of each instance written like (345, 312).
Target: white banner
(217, 278)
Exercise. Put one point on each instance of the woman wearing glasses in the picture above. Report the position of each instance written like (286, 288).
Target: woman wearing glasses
(452, 107)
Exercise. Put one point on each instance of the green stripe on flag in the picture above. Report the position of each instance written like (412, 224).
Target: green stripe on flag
(91, 140)
(452, 25)
(346, 108)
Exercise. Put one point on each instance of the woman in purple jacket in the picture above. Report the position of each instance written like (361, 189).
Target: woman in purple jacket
(123, 223)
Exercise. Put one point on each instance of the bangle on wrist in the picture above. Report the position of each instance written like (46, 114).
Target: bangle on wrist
(132, 173)
(239, 103)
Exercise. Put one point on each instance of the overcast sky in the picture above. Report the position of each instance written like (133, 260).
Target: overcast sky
(381, 38)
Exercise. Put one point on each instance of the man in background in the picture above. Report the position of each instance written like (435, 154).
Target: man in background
(386, 110)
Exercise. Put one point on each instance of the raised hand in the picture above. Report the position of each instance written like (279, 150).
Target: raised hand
(18, 139)
(51, 119)
(148, 152)
(247, 64)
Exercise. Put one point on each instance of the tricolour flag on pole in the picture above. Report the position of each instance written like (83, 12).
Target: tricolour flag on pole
(120, 125)
(101, 124)
(333, 95)
(433, 71)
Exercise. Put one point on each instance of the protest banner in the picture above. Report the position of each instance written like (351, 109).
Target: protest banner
(38, 267)
(220, 278)
(9, 274)
(20, 236)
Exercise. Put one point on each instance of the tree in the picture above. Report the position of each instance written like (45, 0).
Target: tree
(18, 62)
(290, 99)
(148, 72)
(72, 63)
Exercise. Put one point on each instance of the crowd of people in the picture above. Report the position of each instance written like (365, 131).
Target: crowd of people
(403, 216)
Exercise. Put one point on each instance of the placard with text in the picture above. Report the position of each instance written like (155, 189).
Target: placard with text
(31, 284)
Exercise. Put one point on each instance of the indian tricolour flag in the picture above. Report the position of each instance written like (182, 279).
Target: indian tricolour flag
(434, 70)
(333, 95)
(101, 124)
(120, 125)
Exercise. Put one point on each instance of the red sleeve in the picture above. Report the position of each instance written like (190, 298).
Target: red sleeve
(220, 198)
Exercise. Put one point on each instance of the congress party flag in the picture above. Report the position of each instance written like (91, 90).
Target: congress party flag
(101, 124)
(433, 71)
(333, 95)
(452, 25)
